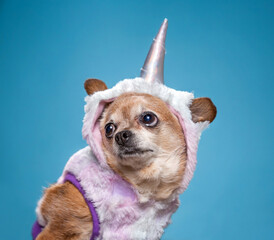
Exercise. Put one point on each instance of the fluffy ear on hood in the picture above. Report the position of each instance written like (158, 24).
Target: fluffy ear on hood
(202, 109)
(93, 85)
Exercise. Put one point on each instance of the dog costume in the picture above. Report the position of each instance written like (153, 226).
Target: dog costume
(115, 205)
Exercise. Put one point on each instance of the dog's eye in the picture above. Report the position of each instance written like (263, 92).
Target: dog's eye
(149, 119)
(110, 129)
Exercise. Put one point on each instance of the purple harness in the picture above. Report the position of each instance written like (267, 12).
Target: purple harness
(37, 228)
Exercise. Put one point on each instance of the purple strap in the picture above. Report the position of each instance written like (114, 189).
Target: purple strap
(96, 225)
(36, 228)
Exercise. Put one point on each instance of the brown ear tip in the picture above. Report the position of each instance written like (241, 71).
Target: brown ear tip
(203, 109)
(91, 81)
(214, 112)
(86, 83)
(93, 85)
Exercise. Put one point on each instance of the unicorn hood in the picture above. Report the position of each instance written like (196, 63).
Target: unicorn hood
(150, 82)
(177, 101)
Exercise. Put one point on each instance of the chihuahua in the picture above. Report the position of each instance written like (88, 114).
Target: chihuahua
(143, 142)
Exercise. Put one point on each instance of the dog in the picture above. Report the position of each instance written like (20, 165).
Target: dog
(143, 142)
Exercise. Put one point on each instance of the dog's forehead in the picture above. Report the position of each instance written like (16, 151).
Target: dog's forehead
(128, 105)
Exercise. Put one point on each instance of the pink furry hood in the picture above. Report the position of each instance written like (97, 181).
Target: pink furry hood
(178, 102)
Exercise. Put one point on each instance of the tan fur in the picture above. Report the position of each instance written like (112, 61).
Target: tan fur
(66, 213)
(163, 175)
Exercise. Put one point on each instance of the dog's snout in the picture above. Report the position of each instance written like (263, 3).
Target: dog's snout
(123, 137)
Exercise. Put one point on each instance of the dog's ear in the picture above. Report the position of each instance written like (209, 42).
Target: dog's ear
(202, 109)
(93, 85)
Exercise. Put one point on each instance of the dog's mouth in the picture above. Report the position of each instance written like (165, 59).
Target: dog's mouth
(133, 152)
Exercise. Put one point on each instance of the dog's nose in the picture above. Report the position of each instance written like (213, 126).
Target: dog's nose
(123, 137)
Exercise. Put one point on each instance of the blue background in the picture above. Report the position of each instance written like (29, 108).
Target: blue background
(219, 49)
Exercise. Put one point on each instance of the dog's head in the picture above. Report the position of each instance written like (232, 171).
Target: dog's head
(137, 128)
(143, 140)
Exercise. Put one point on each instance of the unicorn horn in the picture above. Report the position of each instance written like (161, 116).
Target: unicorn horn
(153, 68)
